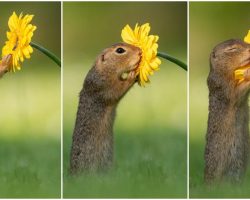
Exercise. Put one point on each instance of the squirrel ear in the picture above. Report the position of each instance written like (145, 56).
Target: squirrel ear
(213, 55)
(212, 59)
(102, 57)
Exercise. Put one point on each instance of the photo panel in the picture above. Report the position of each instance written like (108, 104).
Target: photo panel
(124, 137)
(219, 87)
(30, 120)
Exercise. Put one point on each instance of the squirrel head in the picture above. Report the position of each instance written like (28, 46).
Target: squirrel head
(225, 58)
(114, 72)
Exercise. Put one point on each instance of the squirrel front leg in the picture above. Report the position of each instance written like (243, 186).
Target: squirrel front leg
(244, 87)
(4, 64)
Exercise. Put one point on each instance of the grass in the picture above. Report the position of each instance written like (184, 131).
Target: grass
(148, 164)
(30, 168)
(197, 187)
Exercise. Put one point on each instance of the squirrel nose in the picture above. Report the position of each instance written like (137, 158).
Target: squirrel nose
(140, 52)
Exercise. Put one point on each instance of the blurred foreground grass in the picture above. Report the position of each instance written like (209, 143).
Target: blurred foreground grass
(30, 168)
(148, 164)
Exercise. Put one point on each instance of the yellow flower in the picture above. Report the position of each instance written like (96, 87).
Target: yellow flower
(247, 37)
(19, 38)
(148, 44)
(239, 74)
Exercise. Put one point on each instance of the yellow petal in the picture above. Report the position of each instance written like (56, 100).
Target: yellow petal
(128, 35)
(247, 38)
(239, 74)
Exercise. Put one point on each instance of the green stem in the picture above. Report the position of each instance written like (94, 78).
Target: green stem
(172, 59)
(47, 53)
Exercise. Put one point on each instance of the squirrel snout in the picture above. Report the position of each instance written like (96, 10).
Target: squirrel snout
(140, 52)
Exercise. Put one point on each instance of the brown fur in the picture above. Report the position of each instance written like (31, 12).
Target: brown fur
(103, 88)
(4, 64)
(227, 139)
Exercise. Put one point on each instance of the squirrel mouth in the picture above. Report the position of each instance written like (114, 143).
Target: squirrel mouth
(242, 73)
(131, 73)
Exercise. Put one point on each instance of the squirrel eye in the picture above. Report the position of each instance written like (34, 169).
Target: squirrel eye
(232, 49)
(120, 50)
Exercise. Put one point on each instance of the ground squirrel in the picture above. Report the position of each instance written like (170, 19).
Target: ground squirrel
(227, 139)
(112, 75)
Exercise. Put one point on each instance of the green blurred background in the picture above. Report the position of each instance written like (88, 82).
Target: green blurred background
(30, 109)
(150, 128)
(210, 24)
